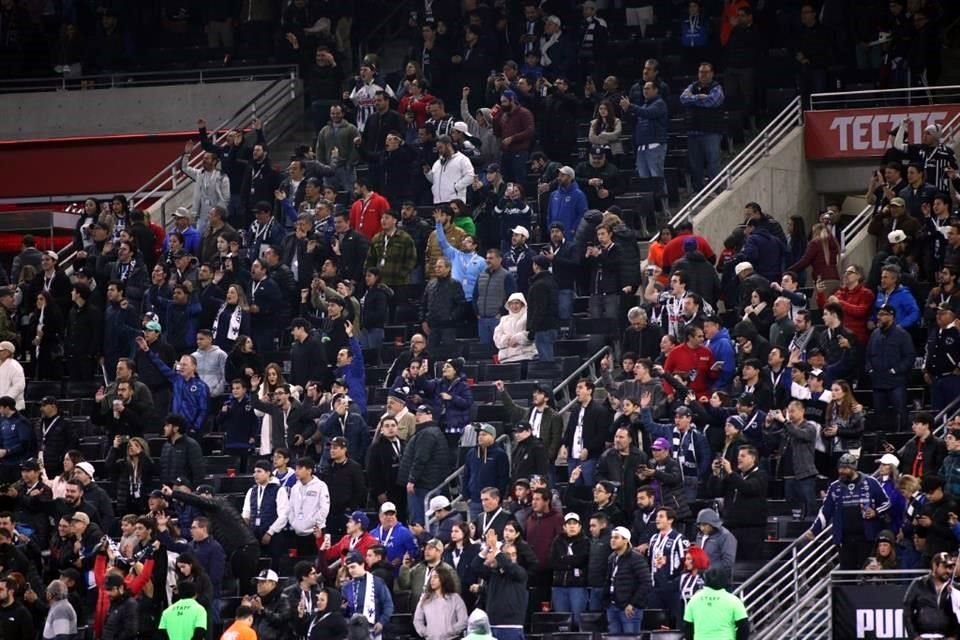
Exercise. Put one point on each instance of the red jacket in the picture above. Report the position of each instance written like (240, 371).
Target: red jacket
(365, 215)
(857, 305)
(674, 249)
(342, 548)
(682, 359)
(541, 532)
(822, 258)
(418, 107)
(516, 125)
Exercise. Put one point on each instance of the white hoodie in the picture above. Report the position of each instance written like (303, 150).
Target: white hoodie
(510, 336)
(308, 507)
(450, 178)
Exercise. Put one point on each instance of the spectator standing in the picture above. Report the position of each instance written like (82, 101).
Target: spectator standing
(794, 436)
(543, 320)
(923, 454)
(335, 147)
(889, 361)
(702, 101)
(309, 507)
(744, 490)
(649, 131)
(665, 553)
(608, 275)
(440, 613)
(569, 559)
(494, 285)
(451, 175)
(714, 611)
(486, 466)
(12, 380)
(515, 128)
(181, 459)
(424, 465)
(744, 50)
(212, 188)
(454, 235)
(442, 307)
(941, 357)
(558, 120)
(511, 335)
(717, 542)
(466, 263)
(585, 434)
(367, 209)
(265, 509)
(628, 585)
(190, 393)
(506, 590)
(568, 203)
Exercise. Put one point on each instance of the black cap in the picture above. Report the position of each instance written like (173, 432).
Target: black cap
(425, 408)
(30, 465)
(746, 399)
(179, 253)
(522, 426)
(558, 226)
(7, 291)
(182, 482)
(598, 150)
(205, 489)
(951, 305)
(887, 308)
(48, 400)
(156, 493)
(340, 382)
(353, 557)
(72, 574)
(542, 261)
(339, 441)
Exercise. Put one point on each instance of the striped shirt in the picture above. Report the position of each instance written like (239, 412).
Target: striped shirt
(935, 161)
(672, 546)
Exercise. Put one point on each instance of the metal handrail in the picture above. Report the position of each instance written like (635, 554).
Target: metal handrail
(783, 123)
(453, 477)
(942, 419)
(146, 78)
(804, 621)
(855, 226)
(779, 586)
(869, 97)
(563, 389)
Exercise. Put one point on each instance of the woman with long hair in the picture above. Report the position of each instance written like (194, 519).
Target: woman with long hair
(58, 484)
(441, 613)
(243, 362)
(132, 471)
(47, 329)
(843, 420)
(513, 534)
(459, 554)
(272, 380)
(232, 320)
(462, 218)
(885, 553)
(606, 128)
(695, 563)
(189, 569)
(888, 475)
(822, 255)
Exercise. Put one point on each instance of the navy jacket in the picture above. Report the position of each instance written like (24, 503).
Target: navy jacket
(452, 414)
(491, 470)
(890, 356)
(651, 124)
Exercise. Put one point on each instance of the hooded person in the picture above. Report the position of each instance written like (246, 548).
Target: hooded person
(718, 543)
(328, 622)
(511, 336)
(478, 626)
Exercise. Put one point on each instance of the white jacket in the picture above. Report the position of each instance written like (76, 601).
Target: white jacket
(309, 506)
(510, 336)
(211, 190)
(451, 178)
(12, 382)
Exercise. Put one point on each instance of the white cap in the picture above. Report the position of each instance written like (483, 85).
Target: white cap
(741, 267)
(521, 230)
(6, 345)
(436, 503)
(462, 127)
(567, 170)
(555, 20)
(889, 458)
(86, 467)
(623, 532)
(267, 574)
(52, 255)
(388, 506)
(897, 236)
(571, 516)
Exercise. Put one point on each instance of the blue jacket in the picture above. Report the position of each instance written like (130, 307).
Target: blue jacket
(397, 542)
(491, 471)
(354, 374)
(191, 241)
(189, 397)
(693, 445)
(765, 252)
(118, 328)
(466, 266)
(866, 492)
(898, 504)
(179, 322)
(651, 124)
(17, 438)
(239, 423)
(353, 595)
(721, 346)
(890, 356)
(901, 299)
(694, 35)
(567, 206)
(453, 414)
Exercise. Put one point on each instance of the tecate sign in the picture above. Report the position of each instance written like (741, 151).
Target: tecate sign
(864, 133)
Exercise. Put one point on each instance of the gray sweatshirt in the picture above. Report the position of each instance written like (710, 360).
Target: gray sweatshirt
(61, 621)
(210, 368)
(441, 618)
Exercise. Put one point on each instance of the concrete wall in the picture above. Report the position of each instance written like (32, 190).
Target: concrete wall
(782, 184)
(121, 110)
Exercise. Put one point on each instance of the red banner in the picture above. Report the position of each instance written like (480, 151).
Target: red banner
(863, 133)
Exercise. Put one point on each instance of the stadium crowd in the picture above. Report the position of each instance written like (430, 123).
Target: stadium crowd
(453, 202)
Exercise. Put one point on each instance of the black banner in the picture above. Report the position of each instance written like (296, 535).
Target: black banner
(869, 610)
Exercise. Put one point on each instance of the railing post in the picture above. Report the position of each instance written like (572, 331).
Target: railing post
(728, 181)
(766, 143)
(796, 587)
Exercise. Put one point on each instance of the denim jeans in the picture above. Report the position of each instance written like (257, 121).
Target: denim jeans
(514, 165)
(474, 509)
(342, 179)
(587, 471)
(619, 623)
(650, 162)
(485, 327)
(801, 493)
(565, 305)
(544, 341)
(415, 506)
(595, 599)
(703, 152)
(572, 599)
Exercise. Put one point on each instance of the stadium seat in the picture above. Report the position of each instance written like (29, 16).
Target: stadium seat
(38, 389)
(593, 622)
(551, 621)
(654, 619)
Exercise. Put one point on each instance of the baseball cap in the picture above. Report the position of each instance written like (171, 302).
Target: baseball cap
(30, 465)
(571, 516)
(388, 507)
(339, 441)
(661, 444)
(204, 489)
(746, 399)
(397, 394)
(353, 557)
(623, 532)
(425, 408)
(542, 261)
(896, 237)
(567, 171)
(153, 325)
(522, 426)
(361, 519)
(80, 516)
(461, 127)
(267, 574)
(887, 308)
(689, 244)
(489, 429)
(741, 267)
(889, 458)
(886, 536)
(598, 150)
(933, 129)
(847, 460)
(951, 305)
(493, 167)
(897, 202)
(113, 581)
(437, 503)
(521, 231)
(6, 345)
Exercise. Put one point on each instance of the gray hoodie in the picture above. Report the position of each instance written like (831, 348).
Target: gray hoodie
(210, 368)
(478, 626)
(719, 545)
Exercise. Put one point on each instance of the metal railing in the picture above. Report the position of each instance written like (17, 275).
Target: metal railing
(786, 121)
(145, 79)
(884, 97)
(781, 591)
(942, 419)
(455, 477)
(561, 392)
